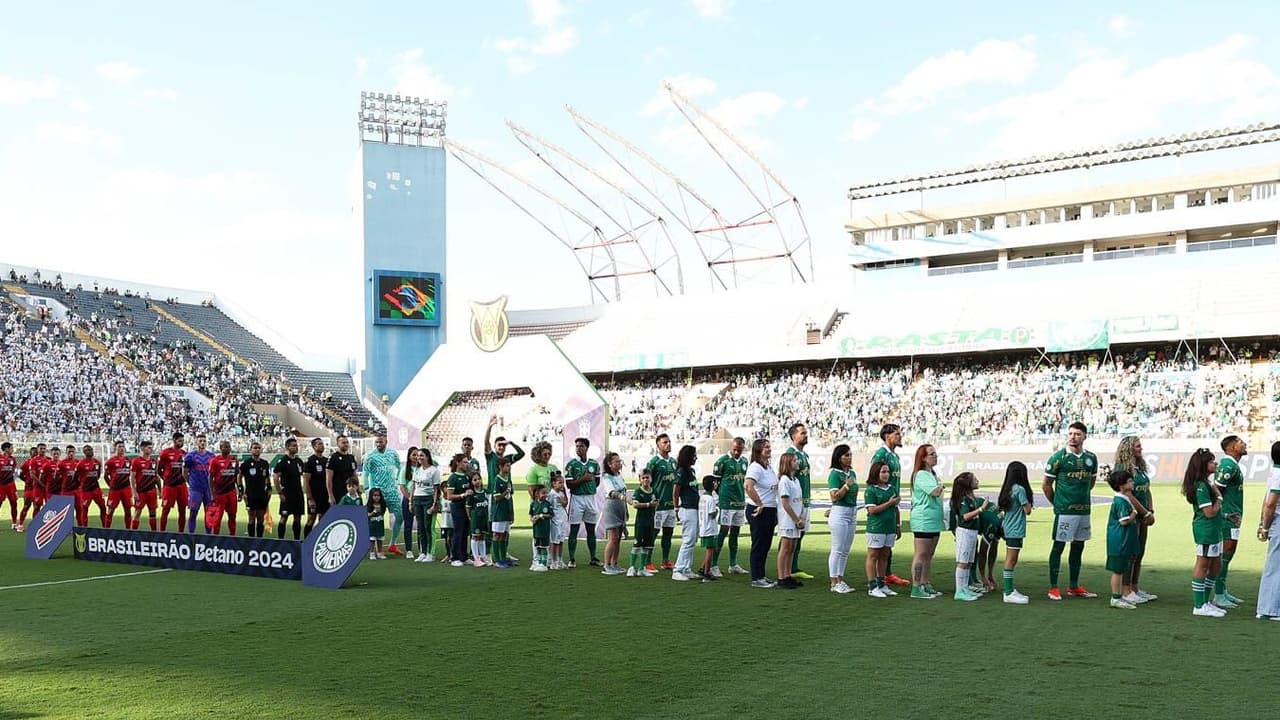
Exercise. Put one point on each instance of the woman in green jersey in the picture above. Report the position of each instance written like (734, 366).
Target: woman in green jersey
(926, 520)
(1129, 458)
(842, 485)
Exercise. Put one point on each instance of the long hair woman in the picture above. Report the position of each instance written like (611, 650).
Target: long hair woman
(1129, 457)
(762, 509)
(842, 484)
(926, 520)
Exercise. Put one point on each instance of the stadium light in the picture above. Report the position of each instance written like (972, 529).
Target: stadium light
(1172, 145)
(401, 119)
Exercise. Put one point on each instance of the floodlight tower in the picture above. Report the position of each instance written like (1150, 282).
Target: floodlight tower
(402, 218)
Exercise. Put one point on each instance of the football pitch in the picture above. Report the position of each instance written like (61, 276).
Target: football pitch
(412, 640)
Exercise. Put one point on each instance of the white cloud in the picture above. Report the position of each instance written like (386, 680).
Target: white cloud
(546, 13)
(79, 105)
(119, 72)
(1105, 99)
(1003, 62)
(72, 134)
(800, 103)
(554, 39)
(1122, 26)
(741, 115)
(860, 131)
(165, 94)
(557, 42)
(416, 78)
(18, 92)
(711, 8)
(691, 86)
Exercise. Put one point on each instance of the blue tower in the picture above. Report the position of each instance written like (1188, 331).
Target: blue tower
(402, 163)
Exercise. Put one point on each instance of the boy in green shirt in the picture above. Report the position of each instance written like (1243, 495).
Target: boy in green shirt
(540, 515)
(644, 501)
(1122, 535)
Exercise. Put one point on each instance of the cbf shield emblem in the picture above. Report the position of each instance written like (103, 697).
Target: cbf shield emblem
(489, 327)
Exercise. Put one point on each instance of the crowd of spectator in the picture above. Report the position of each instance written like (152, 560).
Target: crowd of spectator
(1169, 392)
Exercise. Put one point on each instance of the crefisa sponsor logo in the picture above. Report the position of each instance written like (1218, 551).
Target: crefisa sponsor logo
(335, 546)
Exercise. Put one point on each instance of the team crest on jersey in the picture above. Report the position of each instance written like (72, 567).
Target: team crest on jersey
(1088, 462)
(489, 326)
(335, 546)
(49, 529)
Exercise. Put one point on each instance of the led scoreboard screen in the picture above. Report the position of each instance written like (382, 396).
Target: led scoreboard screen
(406, 298)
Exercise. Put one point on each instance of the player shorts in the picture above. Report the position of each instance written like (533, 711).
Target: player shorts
(1072, 528)
(582, 509)
(9, 492)
(559, 530)
(541, 541)
(321, 501)
(292, 505)
(709, 541)
(32, 493)
(793, 533)
(198, 497)
(664, 519)
(173, 495)
(226, 501)
(1230, 532)
(1015, 543)
(255, 502)
(123, 496)
(645, 535)
(925, 535)
(91, 496)
(1211, 550)
(732, 518)
(500, 527)
(966, 545)
(145, 498)
(1119, 563)
(880, 540)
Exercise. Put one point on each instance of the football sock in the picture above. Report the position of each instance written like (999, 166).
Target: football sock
(591, 542)
(1220, 582)
(573, 542)
(280, 528)
(666, 543)
(962, 579)
(1074, 560)
(795, 555)
(1055, 562)
(1197, 591)
(1008, 582)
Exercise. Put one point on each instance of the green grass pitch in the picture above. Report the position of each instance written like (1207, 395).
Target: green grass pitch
(430, 641)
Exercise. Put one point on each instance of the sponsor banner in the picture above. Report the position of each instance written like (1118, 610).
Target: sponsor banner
(940, 341)
(1076, 335)
(233, 555)
(50, 527)
(334, 548)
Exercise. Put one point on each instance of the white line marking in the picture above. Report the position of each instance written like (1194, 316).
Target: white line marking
(85, 579)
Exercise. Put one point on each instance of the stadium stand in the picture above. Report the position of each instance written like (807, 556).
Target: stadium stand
(198, 346)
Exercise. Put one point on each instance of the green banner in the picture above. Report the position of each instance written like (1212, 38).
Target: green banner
(1073, 335)
(941, 341)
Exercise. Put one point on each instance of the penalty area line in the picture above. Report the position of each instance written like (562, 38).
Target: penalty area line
(84, 579)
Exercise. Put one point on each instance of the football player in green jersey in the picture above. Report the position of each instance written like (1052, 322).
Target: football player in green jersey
(799, 435)
(662, 468)
(891, 436)
(582, 474)
(1069, 476)
(731, 469)
(1230, 483)
(1206, 530)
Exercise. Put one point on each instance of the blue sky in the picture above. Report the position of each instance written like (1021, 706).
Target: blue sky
(214, 146)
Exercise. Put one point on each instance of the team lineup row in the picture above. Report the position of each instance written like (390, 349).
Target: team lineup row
(476, 516)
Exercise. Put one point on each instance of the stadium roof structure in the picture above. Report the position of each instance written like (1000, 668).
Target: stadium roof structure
(1170, 145)
(617, 225)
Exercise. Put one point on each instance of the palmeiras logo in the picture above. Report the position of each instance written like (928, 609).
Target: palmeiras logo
(489, 326)
(52, 523)
(335, 546)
